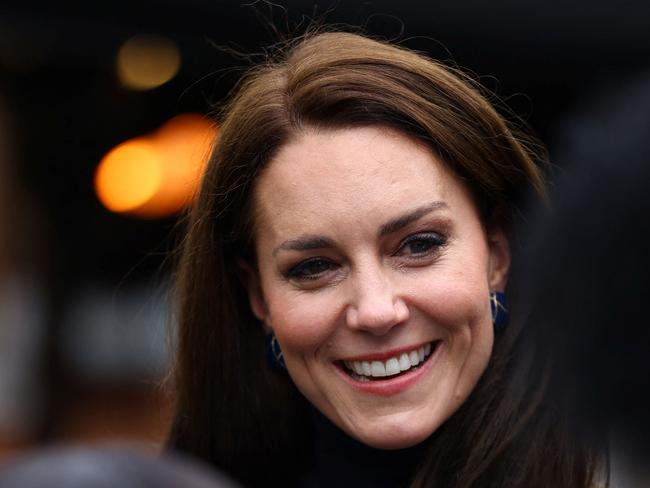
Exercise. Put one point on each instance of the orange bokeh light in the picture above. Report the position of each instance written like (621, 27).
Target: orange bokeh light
(146, 61)
(129, 175)
(156, 175)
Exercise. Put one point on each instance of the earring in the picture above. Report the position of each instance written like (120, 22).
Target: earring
(499, 307)
(274, 354)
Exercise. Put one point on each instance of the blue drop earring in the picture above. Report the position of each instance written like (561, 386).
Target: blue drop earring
(274, 355)
(499, 308)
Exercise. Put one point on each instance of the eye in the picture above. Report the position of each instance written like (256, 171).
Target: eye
(421, 245)
(311, 269)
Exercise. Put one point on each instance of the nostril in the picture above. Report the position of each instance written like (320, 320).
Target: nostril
(401, 310)
(374, 306)
(377, 318)
(352, 317)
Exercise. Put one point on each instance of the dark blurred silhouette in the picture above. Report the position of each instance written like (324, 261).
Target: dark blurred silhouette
(22, 302)
(587, 272)
(76, 367)
(107, 468)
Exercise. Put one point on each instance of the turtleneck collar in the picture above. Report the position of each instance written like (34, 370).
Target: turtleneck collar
(340, 460)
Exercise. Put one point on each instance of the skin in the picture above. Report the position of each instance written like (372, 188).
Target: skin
(334, 281)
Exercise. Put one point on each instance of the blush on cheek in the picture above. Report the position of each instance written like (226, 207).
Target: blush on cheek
(446, 306)
(301, 329)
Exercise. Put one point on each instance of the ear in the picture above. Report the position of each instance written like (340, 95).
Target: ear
(250, 278)
(499, 265)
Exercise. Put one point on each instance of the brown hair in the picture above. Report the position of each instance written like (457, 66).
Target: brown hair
(232, 409)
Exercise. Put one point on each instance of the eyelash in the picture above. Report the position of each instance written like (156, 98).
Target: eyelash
(297, 272)
(433, 239)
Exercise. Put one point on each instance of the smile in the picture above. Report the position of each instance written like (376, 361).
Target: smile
(374, 369)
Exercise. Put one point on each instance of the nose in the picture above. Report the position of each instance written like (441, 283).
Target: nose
(376, 306)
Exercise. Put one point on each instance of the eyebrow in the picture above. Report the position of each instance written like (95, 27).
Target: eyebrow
(309, 242)
(304, 244)
(410, 217)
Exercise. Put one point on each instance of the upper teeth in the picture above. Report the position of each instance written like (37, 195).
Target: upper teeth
(391, 366)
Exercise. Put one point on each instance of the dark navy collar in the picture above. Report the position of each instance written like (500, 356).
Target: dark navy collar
(339, 460)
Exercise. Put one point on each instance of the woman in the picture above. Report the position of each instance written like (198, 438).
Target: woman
(357, 211)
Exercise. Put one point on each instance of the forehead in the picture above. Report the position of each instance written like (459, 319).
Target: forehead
(365, 173)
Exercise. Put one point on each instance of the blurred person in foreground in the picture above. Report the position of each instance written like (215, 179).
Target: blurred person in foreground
(586, 277)
(69, 467)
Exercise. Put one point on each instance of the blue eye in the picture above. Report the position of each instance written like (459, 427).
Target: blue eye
(310, 269)
(421, 245)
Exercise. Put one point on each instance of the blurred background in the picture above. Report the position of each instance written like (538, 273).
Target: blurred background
(104, 128)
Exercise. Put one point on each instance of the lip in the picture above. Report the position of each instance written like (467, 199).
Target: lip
(392, 386)
(382, 356)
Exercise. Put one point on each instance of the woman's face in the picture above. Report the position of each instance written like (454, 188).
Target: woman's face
(374, 272)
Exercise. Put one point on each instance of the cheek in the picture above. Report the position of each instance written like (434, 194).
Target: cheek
(464, 313)
(302, 322)
(464, 291)
(458, 303)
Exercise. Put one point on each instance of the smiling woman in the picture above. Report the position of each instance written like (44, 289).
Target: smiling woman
(379, 276)
(358, 212)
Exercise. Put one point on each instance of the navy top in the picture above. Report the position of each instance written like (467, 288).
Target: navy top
(340, 460)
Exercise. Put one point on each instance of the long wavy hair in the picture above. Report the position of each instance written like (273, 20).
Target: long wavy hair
(236, 413)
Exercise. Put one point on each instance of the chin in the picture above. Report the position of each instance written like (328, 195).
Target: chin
(401, 435)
